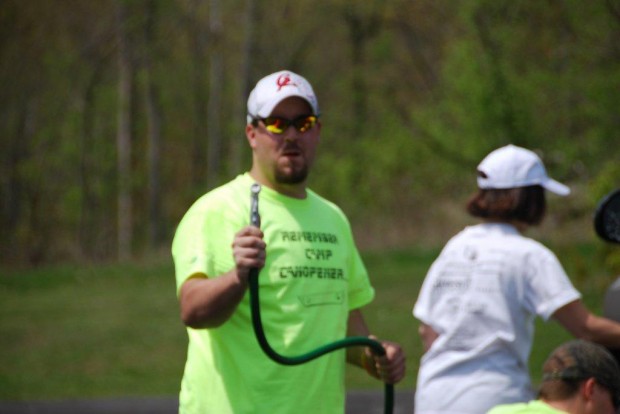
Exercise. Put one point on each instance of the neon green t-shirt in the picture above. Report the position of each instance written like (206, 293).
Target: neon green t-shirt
(532, 407)
(312, 278)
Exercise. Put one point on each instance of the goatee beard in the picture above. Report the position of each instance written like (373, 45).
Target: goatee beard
(294, 177)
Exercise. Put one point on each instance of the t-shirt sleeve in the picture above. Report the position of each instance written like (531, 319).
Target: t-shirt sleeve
(422, 306)
(548, 287)
(203, 238)
(188, 247)
(360, 290)
(422, 309)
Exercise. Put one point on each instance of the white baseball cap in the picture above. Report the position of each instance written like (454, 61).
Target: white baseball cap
(512, 167)
(273, 89)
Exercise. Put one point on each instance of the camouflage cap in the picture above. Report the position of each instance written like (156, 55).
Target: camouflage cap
(579, 360)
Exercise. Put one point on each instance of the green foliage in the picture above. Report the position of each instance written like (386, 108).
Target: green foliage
(413, 95)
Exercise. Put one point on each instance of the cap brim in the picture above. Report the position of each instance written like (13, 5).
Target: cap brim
(268, 108)
(556, 187)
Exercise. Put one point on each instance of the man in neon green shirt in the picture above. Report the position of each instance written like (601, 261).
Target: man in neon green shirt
(579, 377)
(312, 280)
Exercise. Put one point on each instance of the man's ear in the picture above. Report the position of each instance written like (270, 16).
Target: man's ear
(587, 389)
(250, 133)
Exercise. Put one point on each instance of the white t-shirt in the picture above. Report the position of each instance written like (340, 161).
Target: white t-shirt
(481, 296)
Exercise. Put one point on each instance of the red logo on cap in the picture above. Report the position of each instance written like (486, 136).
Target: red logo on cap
(284, 80)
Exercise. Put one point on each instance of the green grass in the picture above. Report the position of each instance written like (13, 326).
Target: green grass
(82, 332)
(114, 330)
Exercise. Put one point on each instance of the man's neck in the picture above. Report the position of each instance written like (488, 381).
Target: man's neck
(289, 190)
(570, 405)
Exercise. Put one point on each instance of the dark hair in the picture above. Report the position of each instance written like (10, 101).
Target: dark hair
(525, 204)
(574, 362)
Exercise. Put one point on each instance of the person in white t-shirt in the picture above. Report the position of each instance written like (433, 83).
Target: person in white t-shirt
(478, 302)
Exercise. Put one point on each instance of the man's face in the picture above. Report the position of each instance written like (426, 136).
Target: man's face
(285, 159)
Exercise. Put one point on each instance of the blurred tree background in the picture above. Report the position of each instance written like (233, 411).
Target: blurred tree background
(117, 114)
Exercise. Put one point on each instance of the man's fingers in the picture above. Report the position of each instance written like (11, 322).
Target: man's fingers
(249, 237)
(249, 250)
(391, 367)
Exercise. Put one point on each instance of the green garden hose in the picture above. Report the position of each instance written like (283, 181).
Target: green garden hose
(376, 346)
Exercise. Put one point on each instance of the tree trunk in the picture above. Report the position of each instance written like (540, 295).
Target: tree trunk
(15, 190)
(123, 138)
(361, 29)
(238, 144)
(216, 83)
(153, 113)
(88, 205)
(198, 35)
